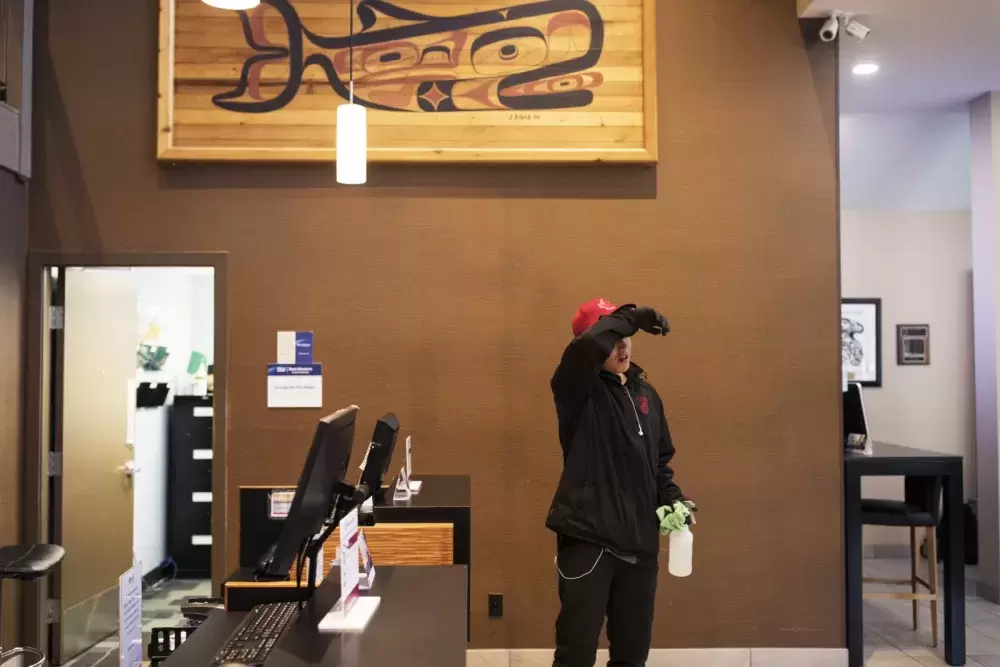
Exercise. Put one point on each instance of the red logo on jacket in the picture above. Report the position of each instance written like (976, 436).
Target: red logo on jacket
(644, 405)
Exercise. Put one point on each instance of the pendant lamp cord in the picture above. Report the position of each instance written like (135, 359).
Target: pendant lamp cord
(350, 47)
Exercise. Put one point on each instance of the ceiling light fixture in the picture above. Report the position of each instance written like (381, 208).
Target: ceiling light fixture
(352, 131)
(865, 69)
(239, 5)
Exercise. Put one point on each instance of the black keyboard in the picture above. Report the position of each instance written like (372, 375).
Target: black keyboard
(253, 640)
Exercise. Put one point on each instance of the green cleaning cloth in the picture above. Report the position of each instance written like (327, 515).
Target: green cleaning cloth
(674, 517)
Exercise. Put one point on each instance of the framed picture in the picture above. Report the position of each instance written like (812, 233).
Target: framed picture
(552, 81)
(913, 344)
(861, 341)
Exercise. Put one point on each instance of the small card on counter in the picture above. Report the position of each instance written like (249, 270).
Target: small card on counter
(402, 491)
(414, 485)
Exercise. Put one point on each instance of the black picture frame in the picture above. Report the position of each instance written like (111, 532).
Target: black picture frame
(920, 333)
(874, 308)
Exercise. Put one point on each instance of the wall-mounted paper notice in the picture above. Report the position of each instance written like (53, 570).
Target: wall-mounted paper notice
(280, 504)
(290, 386)
(201, 540)
(201, 454)
(201, 497)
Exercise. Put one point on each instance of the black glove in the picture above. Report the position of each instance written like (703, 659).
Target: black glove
(651, 322)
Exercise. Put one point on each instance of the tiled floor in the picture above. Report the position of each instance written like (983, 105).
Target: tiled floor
(889, 637)
(160, 609)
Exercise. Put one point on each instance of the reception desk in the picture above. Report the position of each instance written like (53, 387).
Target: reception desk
(420, 622)
(431, 528)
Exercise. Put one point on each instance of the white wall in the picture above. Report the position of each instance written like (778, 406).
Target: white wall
(906, 230)
(920, 265)
(905, 162)
(181, 301)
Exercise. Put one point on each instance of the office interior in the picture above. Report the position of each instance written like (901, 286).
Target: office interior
(442, 293)
(134, 354)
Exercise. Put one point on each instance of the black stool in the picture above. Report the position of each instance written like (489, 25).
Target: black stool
(26, 563)
(920, 509)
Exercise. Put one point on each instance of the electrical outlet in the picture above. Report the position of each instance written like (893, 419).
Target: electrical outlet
(496, 605)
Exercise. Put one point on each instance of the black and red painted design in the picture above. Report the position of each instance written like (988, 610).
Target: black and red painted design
(531, 56)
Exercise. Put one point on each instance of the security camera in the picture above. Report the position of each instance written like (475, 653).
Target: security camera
(831, 27)
(855, 28)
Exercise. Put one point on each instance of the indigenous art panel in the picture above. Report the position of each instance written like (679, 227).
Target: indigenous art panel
(443, 80)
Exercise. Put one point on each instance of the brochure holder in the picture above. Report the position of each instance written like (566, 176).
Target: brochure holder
(403, 489)
(413, 484)
(352, 613)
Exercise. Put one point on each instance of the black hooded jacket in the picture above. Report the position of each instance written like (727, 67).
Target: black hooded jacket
(616, 446)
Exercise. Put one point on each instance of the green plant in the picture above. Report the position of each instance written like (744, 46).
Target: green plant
(152, 358)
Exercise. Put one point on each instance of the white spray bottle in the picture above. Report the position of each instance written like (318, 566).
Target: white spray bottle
(681, 559)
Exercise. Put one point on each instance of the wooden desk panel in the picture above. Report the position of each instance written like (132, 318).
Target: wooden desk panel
(401, 544)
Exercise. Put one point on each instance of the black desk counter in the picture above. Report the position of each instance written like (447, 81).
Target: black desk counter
(443, 499)
(893, 460)
(421, 622)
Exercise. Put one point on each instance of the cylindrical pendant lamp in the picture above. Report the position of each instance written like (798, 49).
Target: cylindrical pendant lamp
(352, 131)
(352, 144)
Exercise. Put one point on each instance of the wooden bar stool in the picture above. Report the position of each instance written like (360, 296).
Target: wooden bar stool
(921, 509)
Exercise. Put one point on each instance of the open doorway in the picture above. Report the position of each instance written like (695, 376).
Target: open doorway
(130, 434)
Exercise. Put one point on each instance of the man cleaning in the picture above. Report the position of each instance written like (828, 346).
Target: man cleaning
(617, 491)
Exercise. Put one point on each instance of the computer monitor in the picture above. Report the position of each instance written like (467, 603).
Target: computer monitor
(316, 493)
(379, 457)
(856, 431)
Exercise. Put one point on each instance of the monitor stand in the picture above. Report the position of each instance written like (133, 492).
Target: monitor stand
(342, 506)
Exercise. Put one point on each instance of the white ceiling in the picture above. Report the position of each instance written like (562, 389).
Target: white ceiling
(932, 53)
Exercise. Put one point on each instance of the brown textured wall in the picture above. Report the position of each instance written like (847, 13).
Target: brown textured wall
(13, 243)
(444, 294)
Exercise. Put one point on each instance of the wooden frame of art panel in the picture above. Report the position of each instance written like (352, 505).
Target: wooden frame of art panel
(555, 81)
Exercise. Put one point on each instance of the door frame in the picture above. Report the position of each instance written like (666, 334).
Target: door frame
(35, 489)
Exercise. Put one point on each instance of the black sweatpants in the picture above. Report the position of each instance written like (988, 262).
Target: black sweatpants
(594, 584)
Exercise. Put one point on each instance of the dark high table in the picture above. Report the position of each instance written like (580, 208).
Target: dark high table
(892, 460)
(420, 622)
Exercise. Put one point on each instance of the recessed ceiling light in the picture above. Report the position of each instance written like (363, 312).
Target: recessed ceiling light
(865, 69)
(232, 4)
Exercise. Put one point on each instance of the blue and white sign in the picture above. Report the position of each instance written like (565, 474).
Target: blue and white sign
(295, 348)
(130, 617)
(303, 347)
(295, 386)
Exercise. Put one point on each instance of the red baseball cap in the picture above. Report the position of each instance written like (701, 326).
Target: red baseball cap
(588, 314)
